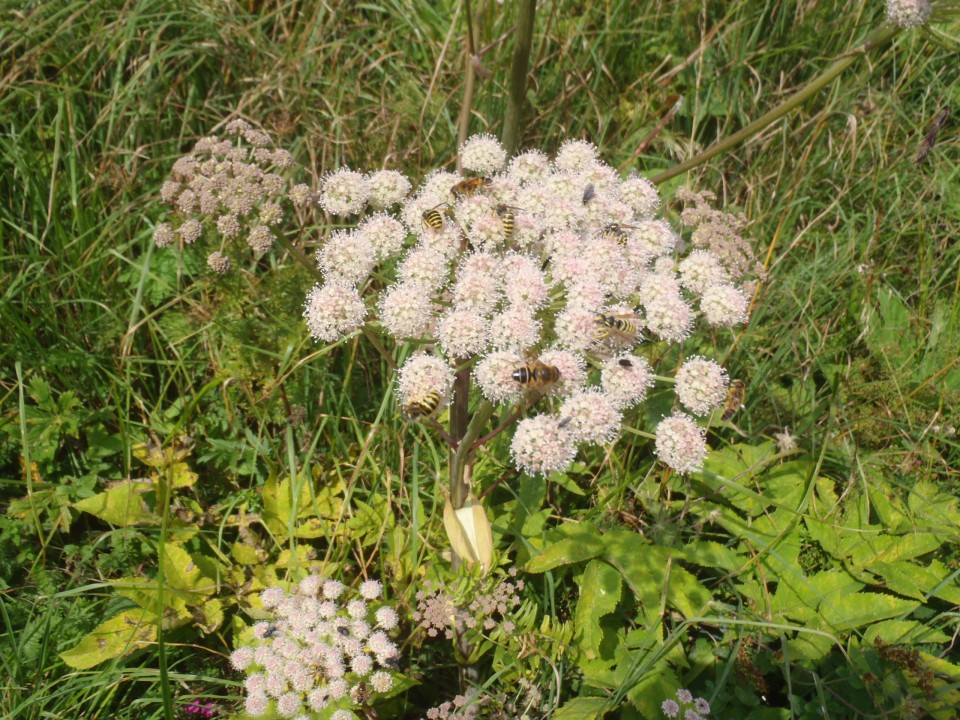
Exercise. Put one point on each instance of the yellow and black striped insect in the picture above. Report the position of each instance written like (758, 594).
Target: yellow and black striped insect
(623, 328)
(470, 186)
(536, 375)
(433, 218)
(424, 408)
(507, 219)
(616, 231)
(735, 396)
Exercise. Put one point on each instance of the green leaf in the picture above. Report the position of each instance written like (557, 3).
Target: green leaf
(582, 708)
(642, 565)
(903, 632)
(854, 610)
(798, 597)
(183, 574)
(810, 646)
(917, 582)
(570, 543)
(866, 550)
(711, 554)
(656, 685)
(120, 635)
(247, 554)
(121, 505)
(599, 595)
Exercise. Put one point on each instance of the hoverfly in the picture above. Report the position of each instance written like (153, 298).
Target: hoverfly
(735, 396)
(508, 219)
(623, 328)
(536, 375)
(425, 407)
(433, 218)
(470, 186)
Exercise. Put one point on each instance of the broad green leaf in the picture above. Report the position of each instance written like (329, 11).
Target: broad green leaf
(731, 472)
(303, 556)
(903, 632)
(642, 565)
(685, 593)
(655, 686)
(887, 330)
(146, 593)
(798, 597)
(937, 511)
(208, 615)
(246, 554)
(854, 610)
(120, 635)
(572, 542)
(183, 574)
(810, 646)
(711, 554)
(121, 505)
(582, 708)
(599, 595)
(865, 550)
(916, 582)
(168, 460)
(368, 523)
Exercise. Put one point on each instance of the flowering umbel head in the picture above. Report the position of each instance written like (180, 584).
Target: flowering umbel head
(319, 650)
(234, 189)
(545, 280)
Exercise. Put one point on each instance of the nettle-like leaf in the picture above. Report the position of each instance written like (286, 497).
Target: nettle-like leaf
(566, 545)
(583, 708)
(122, 505)
(168, 462)
(599, 595)
(121, 635)
(318, 506)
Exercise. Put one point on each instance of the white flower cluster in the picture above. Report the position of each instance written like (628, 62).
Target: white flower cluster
(319, 652)
(549, 277)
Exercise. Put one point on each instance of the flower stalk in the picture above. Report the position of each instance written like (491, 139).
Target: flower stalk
(878, 37)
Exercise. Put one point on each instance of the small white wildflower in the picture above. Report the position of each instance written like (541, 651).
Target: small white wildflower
(483, 154)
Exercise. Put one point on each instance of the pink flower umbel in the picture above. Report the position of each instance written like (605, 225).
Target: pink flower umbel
(333, 310)
(625, 380)
(483, 154)
(386, 188)
(422, 374)
(593, 417)
(540, 445)
(724, 306)
(701, 385)
(345, 192)
(681, 443)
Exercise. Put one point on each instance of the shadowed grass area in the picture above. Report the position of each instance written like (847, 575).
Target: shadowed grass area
(859, 318)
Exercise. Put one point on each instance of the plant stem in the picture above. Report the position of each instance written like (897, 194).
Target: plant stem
(512, 126)
(459, 488)
(469, 86)
(878, 37)
(298, 255)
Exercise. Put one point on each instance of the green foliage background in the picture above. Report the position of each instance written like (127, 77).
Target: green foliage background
(108, 345)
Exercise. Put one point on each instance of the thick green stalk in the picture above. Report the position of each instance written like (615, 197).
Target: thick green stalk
(512, 126)
(459, 487)
(878, 37)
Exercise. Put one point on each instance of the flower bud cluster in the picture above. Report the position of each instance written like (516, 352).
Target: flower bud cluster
(231, 187)
(319, 650)
(529, 263)
(908, 13)
(685, 707)
(486, 609)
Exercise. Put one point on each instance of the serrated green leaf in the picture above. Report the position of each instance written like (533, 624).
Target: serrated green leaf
(182, 573)
(685, 592)
(711, 554)
(642, 565)
(810, 646)
(798, 597)
(865, 550)
(847, 612)
(656, 685)
(246, 554)
(599, 594)
(121, 505)
(572, 542)
(582, 708)
(903, 632)
(208, 615)
(120, 635)
(917, 582)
